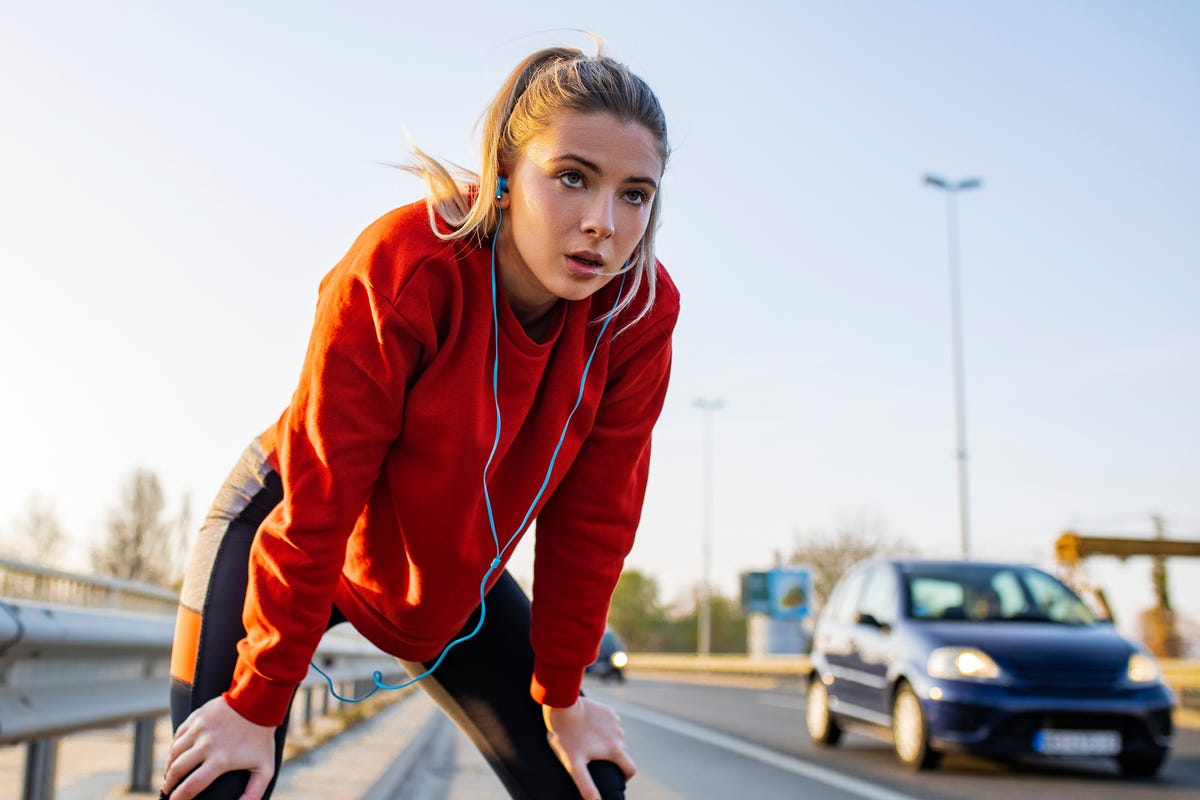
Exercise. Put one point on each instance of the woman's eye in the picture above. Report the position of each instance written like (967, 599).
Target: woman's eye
(636, 196)
(572, 179)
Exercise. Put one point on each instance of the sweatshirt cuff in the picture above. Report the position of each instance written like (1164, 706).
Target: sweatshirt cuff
(262, 701)
(555, 686)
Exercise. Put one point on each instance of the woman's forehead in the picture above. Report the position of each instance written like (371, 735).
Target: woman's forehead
(604, 142)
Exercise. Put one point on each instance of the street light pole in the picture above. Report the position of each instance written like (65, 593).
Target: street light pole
(704, 611)
(952, 188)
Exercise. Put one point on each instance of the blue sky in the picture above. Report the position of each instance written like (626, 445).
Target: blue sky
(174, 180)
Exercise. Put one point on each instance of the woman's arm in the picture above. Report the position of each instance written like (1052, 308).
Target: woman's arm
(587, 528)
(583, 535)
(345, 415)
(329, 446)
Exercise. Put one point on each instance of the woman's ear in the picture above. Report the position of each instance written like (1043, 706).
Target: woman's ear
(502, 192)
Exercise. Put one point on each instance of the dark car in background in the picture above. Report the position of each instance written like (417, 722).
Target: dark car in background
(610, 664)
(988, 658)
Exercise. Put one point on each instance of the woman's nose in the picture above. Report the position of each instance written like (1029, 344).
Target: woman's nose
(598, 220)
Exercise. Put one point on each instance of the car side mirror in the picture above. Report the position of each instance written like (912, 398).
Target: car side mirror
(869, 619)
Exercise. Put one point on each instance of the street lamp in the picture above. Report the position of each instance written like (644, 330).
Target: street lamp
(952, 188)
(704, 612)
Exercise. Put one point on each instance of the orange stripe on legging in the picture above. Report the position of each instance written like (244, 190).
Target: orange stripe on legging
(187, 641)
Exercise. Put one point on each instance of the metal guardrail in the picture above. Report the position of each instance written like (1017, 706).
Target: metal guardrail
(761, 666)
(65, 669)
(1181, 674)
(24, 581)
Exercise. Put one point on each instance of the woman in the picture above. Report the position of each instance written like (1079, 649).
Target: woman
(496, 354)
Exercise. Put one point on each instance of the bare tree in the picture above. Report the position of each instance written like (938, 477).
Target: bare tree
(38, 536)
(830, 556)
(140, 544)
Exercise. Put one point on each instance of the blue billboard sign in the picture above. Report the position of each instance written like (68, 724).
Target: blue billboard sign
(781, 593)
(790, 589)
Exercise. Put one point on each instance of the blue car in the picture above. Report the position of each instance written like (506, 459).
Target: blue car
(993, 659)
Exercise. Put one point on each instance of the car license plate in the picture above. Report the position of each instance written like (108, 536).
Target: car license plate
(1077, 743)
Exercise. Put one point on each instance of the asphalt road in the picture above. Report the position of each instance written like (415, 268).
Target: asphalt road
(700, 741)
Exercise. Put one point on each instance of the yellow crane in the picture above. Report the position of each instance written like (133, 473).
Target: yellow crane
(1160, 631)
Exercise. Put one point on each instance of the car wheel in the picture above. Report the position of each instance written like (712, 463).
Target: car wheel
(1141, 765)
(822, 728)
(910, 733)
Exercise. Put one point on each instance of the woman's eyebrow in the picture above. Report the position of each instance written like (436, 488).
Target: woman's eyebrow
(596, 169)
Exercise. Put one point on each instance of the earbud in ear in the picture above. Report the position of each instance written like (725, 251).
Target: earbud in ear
(501, 186)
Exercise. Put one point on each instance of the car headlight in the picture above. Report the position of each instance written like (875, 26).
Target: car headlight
(962, 663)
(1142, 669)
(619, 659)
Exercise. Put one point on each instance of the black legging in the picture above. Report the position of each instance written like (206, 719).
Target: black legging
(482, 684)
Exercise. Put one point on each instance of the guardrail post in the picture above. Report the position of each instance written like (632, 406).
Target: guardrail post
(143, 755)
(41, 762)
(308, 708)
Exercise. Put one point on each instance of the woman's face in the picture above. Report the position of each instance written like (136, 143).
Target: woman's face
(577, 205)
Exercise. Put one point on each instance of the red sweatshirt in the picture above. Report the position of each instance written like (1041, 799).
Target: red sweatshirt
(382, 451)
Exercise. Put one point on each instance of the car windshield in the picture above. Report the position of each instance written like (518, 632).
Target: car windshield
(983, 592)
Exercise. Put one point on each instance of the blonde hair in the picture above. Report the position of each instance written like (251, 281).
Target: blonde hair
(545, 83)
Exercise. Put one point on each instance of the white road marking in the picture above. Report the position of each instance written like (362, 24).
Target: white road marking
(758, 753)
(780, 701)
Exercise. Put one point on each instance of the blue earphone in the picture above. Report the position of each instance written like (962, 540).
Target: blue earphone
(377, 676)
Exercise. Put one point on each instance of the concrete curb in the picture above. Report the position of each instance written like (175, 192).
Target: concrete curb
(426, 751)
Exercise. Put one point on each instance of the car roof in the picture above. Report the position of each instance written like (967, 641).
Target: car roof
(920, 563)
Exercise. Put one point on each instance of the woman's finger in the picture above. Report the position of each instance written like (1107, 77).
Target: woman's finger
(183, 735)
(626, 764)
(196, 783)
(178, 769)
(257, 786)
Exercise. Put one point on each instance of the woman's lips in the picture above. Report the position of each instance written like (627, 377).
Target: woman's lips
(584, 264)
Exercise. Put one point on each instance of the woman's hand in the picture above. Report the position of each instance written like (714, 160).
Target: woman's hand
(214, 740)
(587, 731)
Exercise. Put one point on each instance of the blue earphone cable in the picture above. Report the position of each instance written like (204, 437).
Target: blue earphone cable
(377, 675)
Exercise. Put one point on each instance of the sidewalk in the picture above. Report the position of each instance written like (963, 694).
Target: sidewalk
(366, 757)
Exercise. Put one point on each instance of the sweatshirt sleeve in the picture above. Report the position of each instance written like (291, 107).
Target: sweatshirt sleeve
(331, 442)
(587, 528)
